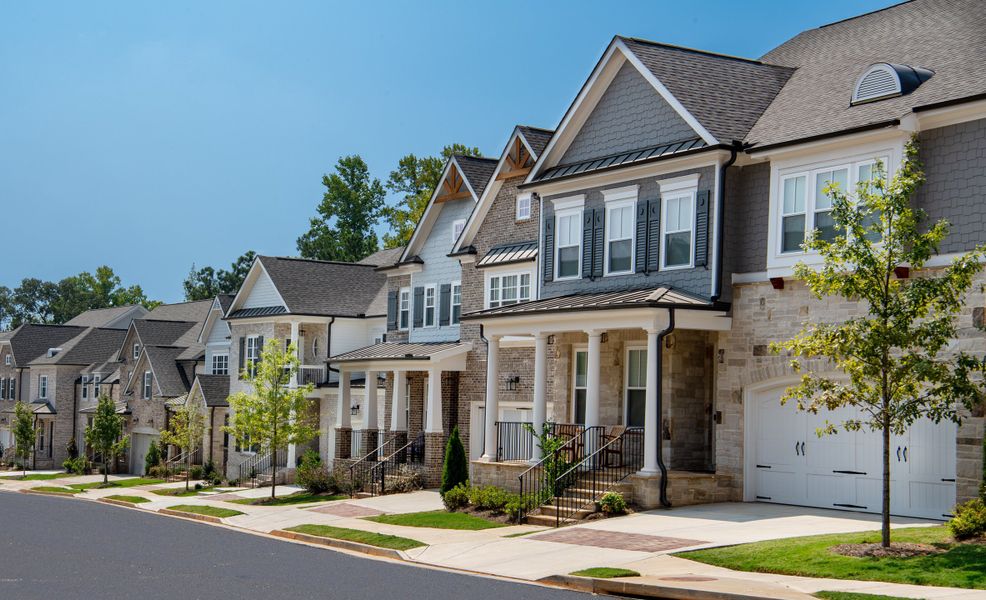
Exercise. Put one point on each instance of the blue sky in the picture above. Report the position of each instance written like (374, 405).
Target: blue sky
(148, 136)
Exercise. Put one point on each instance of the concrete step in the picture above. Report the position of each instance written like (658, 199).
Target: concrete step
(546, 521)
(578, 515)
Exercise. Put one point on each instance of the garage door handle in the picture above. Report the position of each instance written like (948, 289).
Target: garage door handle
(905, 453)
(763, 466)
(802, 448)
(898, 453)
(849, 505)
(948, 480)
(796, 448)
(850, 472)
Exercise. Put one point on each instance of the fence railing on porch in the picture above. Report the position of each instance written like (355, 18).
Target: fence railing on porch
(259, 468)
(537, 485)
(514, 441)
(371, 476)
(311, 374)
(582, 484)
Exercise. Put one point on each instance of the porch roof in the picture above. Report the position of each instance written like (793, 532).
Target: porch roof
(121, 409)
(505, 254)
(43, 408)
(403, 351)
(659, 297)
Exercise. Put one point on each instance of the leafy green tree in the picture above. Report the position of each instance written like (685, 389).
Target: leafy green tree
(105, 435)
(273, 414)
(207, 282)
(415, 179)
(455, 470)
(32, 302)
(185, 430)
(24, 434)
(350, 208)
(895, 355)
(152, 458)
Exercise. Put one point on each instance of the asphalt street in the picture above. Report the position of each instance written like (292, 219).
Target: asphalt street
(63, 548)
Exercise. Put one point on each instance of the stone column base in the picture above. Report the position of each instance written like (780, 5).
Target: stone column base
(434, 459)
(369, 439)
(344, 442)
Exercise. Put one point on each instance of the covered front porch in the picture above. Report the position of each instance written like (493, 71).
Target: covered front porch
(624, 379)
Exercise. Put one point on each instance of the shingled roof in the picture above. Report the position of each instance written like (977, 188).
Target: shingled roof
(92, 345)
(477, 171)
(383, 258)
(154, 332)
(537, 137)
(215, 389)
(196, 311)
(114, 317)
(30, 341)
(945, 36)
(171, 378)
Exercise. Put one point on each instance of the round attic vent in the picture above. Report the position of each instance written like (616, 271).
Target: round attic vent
(886, 80)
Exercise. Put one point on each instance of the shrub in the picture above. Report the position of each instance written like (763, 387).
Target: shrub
(312, 476)
(455, 471)
(77, 465)
(72, 449)
(405, 480)
(489, 498)
(157, 472)
(210, 474)
(456, 498)
(612, 503)
(197, 472)
(969, 520)
(152, 458)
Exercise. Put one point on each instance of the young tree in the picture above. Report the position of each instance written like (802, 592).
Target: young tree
(455, 469)
(273, 414)
(343, 228)
(185, 430)
(105, 435)
(416, 178)
(24, 433)
(894, 356)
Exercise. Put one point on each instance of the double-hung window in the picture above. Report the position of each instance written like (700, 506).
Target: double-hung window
(146, 391)
(220, 364)
(508, 288)
(431, 307)
(96, 379)
(523, 212)
(85, 387)
(793, 212)
(619, 236)
(43, 387)
(457, 226)
(568, 231)
(866, 171)
(6, 360)
(136, 351)
(456, 309)
(405, 309)
(636, 386)
(678, 225)
(252, 354)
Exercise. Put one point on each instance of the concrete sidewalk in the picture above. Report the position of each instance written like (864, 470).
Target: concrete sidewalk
(642, 542)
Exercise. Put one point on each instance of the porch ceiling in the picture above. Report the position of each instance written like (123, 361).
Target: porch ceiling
(406, 356)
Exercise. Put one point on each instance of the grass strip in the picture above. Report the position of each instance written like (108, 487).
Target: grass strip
(826, 595)
(370, 538)
(130, 499)
(35, 477)
(53, 489)
(438, 519)
(605, 573)
(296, 498)
(210, 511)
(180, 492)
(116, 483)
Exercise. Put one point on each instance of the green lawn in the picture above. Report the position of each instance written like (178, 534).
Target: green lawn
(962, 565)
(439, 519)
(180, 492)
(296, 498)
(54, 488)
(855, 596)
(131, 499)
(116, 483)
(35, 477)
(605, 572)
(355, 535)
(212, 511)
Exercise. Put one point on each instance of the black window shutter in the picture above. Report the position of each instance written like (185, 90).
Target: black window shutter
(445, 304)
(702, 228)
(598, 241)
(260, 348)
(640, 249)
(587, 218)
(419, 307)
(239, 371)
(391, 310)
(548, 254)
(654, 234)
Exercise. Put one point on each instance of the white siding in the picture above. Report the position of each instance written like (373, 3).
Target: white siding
(263, 293)
(439, 269)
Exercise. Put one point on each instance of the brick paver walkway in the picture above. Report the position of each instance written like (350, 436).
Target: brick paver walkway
(615, 540)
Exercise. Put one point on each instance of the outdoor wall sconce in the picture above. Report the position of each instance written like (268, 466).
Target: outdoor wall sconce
(669, 342)
(551, 340)
(902, 272)
(512, 383)
(354, 409)
(777, 283)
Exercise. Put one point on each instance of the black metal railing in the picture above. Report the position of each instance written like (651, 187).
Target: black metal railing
(175, 468)
(514, 440)
(260, 466)
(537, 485)
(403, 463)
(360, 468)
(584, 483)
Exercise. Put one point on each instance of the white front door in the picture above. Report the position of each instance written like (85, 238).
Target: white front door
(792, 464)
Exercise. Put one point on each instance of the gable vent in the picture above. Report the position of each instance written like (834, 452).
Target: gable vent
(886, 80)
(53, 351)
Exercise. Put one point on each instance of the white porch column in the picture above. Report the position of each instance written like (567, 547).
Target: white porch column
(651, 418)
(592, 379)
(540, 388)
(492, 402)
(434, 400)
(344, 418)
(398, 410)
(293, 384)
(371, 401)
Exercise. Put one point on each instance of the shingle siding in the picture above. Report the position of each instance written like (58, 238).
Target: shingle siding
(747, 208)
(629, 116)
(954, 160)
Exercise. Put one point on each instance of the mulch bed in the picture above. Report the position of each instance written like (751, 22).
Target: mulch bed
(900, 550)
(489, 515)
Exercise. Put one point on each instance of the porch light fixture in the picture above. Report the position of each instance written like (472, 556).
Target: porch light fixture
(512, 383)
(551, 340)
(777, 283)
(354, 409)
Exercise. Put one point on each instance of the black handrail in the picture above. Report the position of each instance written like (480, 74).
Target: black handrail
(514, 440)
(411, 454)
(585, 482)
(261, 464)
(360, 468)
(537, 484)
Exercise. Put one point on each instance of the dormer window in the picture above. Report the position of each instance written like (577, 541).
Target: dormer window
(886, 80)
(6, 360)
(523, 207)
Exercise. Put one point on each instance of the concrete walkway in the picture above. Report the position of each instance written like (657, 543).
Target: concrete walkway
(643, 542)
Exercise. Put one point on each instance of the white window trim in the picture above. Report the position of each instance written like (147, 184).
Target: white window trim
(43, 387)
(576, 348)
(250, 360)
(459, 224)
(146, 385)
(424, 307)
(6, 360)
(568, 202)
(575, 211)
(136, 352)
(677, 184)
(528, 197)
(217, 355)
(692, 194)
(85, 387)
(96, 381)
(627, 202)
(400, 301)
(781, 264)
(499, 275)
(453, 304)
(626, 378)
(627, 192)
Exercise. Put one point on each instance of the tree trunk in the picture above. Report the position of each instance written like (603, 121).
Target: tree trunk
(885, 527)
(106, 470)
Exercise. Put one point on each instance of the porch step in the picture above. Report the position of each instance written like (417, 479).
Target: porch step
(550, 510)
(548, 521)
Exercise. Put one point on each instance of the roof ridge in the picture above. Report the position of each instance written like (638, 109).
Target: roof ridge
(698, 51)
(544, 129)
(328, 262)
(164, 321)
(182, 302)
(469, 156)
(865, 14)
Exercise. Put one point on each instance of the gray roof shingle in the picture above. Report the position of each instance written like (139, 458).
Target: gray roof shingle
(31, 341)
(196, 311)
(538, 138)
(93, 345)
(154, 332)
(477, 171)
(215, 389)
(171, 378)
(383, 258)
(103, 317)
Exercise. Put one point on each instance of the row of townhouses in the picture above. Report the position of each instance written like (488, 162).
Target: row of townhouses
(619, 277)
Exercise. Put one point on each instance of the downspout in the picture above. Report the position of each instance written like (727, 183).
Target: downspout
(660, 408)
(212, 431)
(720, 219)
(328, 350)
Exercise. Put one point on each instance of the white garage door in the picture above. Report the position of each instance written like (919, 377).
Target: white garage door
(140, 443)
(842, 471)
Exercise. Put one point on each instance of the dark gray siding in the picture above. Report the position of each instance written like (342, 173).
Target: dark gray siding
(630, 115)
(747, 209)
(697, 280)
(954, 160)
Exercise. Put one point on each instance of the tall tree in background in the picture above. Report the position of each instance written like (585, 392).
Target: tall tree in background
(416, 179)
(350, 208)
(208, 282)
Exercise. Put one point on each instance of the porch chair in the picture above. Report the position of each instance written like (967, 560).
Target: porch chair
(614, 450)
(566, 432)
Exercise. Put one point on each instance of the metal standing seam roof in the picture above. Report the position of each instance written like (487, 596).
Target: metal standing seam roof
(510, 253)
(258, 311)
(396, 351)
(623, 158)
(660, 297)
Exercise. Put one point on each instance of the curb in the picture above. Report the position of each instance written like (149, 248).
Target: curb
(188, 515)
(123, 503)
(618, 587)
(45, 493)
(342, 544)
